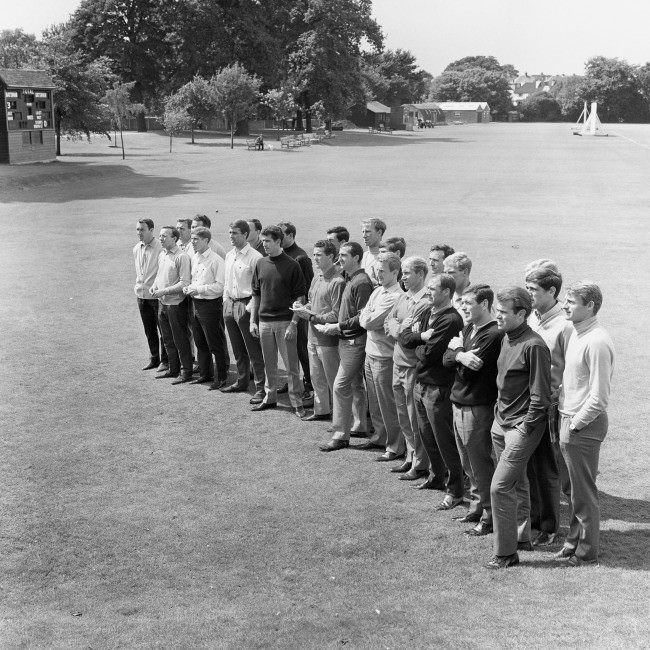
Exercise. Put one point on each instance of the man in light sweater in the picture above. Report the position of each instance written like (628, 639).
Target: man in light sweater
(584, 396)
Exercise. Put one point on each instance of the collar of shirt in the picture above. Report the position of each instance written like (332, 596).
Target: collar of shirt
(586, 325)
(416, 297)
(243, 250)
(553, 311)
(518, 332)
(173, 251)
(329, 274)
(437, 310)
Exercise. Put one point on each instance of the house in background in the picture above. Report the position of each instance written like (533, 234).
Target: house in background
(371, 114)
(26, 117)
(409, 116)
(465, 112)
(525, 85)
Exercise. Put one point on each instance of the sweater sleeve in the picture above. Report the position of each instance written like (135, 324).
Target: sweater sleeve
(374, 319)
(410, 339)
(360, 296)
(539, 363)
(445, 328)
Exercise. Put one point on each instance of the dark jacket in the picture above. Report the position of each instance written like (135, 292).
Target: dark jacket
(358, 288)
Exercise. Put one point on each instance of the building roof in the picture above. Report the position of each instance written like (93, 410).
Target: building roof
(26, 78)
(377, 107)
(463, 106)
(427, 106)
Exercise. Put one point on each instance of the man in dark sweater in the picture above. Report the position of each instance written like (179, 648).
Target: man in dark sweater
(473, 355)
(431, 336)
(295, 252)
(277, 283)
(520, 418)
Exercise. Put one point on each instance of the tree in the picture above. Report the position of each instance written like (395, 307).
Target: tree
(643, 75)
(540, 107)
(568, 94)
(175, 120)
(197, 99)
(236, 92)
(281, 102)
(121, 106)
(18, 49)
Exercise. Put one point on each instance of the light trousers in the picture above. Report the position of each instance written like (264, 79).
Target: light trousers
(407, 416)
(323, 366)
(349, 394)
(272, 341)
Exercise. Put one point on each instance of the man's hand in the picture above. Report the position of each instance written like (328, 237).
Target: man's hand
(470, 360)
(302, 313)
(425, 336)
(254, 330)
(190, 290)
(332, 329)
(155, 293)
(291, 332)
(455, 343)
(407, 322)
(391, 327)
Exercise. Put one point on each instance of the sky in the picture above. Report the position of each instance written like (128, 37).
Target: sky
(548, 36)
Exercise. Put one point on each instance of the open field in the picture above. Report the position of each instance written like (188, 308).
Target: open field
(140, 515)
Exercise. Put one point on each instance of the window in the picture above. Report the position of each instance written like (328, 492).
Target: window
(27, 138)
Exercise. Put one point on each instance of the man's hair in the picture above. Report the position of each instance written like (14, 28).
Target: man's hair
(257, 223)
(392, 259)
(175, 233)
(446, 249)
(588, 292)
(417, 264)
(327, 246)
(446, 282)
(203, 233)
(519, 297)
(356, 250)
(375, 223)
(187, 222)
(204, 219)
(461, 261)
(274, 232)
(396, 245)
(546, 275)
(147, 222)
(341, 232)
(287, 228)
(535, 263)
(481, 292)
(242, 226)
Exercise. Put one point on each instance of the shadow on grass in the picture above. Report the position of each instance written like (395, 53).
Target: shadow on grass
(635, 511)
(61, 182)
(393, 140)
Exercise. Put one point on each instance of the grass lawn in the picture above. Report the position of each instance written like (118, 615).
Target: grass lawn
(135, 514)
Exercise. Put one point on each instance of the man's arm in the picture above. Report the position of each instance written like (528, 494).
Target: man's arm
(411, 336)
(539, 381)
(360, 296)
(213, 289)
(374, 319)
(335, 290)
(184, 268)
(445, 328)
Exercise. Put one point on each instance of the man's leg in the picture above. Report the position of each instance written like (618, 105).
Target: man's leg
(437, 469)
(168, 339)
(200, 328)
(289, 353)
(383, 372)
(403, 418)
(242, 359)
(544, 480)
(419, 462)
(148, 313)
(270, 354)
(319, 381)
(379, 436)
(329, 356)
(178, 321)
(211, 318)
(253, 346)
(301, 351)
(345, 385)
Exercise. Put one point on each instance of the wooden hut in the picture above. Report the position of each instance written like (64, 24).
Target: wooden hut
(410, 116)
(465, 112)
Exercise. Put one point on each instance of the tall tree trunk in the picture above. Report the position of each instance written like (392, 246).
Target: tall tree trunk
(298, 125)
(232, 135)
(308, 122)
(142, 123)
(192, 130)
(122, 140)
(170, 143)
(57, 131)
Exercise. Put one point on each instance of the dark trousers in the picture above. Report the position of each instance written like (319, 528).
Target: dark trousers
(303, 355)
(149, 315)
(245, 347)
(173, 326)
(437, 434)
(210, 338)
(544, 478)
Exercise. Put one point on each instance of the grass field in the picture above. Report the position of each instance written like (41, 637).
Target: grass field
(135, 514)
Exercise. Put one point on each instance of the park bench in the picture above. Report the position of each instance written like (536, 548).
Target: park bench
(251, 143)
(289, 142)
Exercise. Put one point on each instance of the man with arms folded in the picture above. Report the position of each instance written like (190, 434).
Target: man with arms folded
(372, 231)
(277, 283)
(584, 397)
(437, 256)
(239, 268)
(206, 291)
(543, 283)
(378, 367)
(409, 308)
(145, 256)
(459, 266)
(473, 356)
(520, 416)
(174, 273)
(349, 395)
(202, 220)
(324, 301)
(431, 336)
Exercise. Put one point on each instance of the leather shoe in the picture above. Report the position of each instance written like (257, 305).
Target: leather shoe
(430, 485)
(163, 367)
(283, 389)
(413, 475)
(576, 561)
(388, 457)
(257, 399)
(502, 561)
(525, 546)
(544, 539)
(299, 413)
(400, 469)
(201, 380)
(234, 388)
(264, 406)
(358, 434)
(316, 417)
(469, 518)
(479, 530)
(449, 502)
(218, 384)
(154, 363)
(334, 445)
(564, 553)
(183, 379)
(166, 375)
(369, 446)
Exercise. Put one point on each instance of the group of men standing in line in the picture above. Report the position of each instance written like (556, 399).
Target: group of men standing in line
(511, 409)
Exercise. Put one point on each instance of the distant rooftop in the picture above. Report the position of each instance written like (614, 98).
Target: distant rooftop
(377, 107)
(463, 106)
(15, 78)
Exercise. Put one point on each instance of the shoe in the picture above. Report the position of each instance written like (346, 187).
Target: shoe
(358, 434)
(574, 560)
(369, 446)
(479, 530)
(163, 367)
(525, 546)
(469, 518)
(388, 457)
(195, 367)
(317, 417)
(299, 413)
(283, 389)
(430, 485)
(413, 475)
(502, 561)
(183, 379)
(334, 445)
(400, 469)
(564, 553)
(307, 396)
(201, 380)
(264, 406)
(218, 384)
(330, 429)
(167, 375)
(258, 398)
(449, 502)
(154, 363)
(234, 388)
(545, 539)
